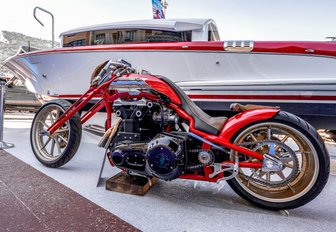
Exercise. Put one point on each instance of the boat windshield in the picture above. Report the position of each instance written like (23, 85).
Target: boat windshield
(123, 36)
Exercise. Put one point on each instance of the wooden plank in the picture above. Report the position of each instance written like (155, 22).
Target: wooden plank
(124, 183)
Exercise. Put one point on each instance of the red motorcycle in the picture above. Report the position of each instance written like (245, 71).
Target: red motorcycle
(271, 158)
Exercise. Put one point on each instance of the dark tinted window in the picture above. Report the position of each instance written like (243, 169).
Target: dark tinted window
(124, 36)
(138, 36)
(75, 40)
(75, 43)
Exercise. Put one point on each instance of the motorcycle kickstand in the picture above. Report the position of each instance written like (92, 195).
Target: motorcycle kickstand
(102, 168)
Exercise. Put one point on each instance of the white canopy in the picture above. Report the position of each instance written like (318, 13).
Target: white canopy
(158, 24)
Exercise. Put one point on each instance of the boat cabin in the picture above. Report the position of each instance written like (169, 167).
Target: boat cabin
(142, 31)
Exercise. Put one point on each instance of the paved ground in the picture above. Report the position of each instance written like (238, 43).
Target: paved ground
(32, 201)
(178, 205)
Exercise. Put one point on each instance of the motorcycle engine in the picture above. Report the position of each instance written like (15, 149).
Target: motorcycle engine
(141, 147)
(166, 156)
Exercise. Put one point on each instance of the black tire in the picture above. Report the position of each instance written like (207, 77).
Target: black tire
(315, 186)
(73, 135)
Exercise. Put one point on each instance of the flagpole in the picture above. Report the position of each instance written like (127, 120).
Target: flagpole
(164, 6)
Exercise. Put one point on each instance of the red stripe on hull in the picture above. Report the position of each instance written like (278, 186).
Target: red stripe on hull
(242, 97)
(264, 97)
(282, 47)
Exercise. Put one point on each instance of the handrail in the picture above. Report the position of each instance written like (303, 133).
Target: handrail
(52, 22)
(332, 38)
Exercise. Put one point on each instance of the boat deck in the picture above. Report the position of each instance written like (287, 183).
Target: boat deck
(33, 197)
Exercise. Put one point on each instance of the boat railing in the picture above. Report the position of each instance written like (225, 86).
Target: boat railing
(52, 22)
(332, 38)
(25, 49)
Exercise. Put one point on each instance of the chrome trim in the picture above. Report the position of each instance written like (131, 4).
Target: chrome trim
(238, 45)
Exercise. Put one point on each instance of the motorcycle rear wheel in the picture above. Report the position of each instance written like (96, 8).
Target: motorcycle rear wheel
(298, 185)
(57, 149)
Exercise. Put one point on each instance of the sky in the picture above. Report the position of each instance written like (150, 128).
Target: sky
(235, 19)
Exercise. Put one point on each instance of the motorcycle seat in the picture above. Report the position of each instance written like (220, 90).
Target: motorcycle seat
(203, 122)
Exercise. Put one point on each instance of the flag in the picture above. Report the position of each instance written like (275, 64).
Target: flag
(157, 9)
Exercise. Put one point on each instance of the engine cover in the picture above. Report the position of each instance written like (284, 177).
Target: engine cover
(130, 156)
(165, 156)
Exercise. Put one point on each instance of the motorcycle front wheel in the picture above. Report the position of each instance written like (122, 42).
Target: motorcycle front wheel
(298, 146)
(57, 149)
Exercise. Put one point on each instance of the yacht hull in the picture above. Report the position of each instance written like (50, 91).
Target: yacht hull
(288, 76)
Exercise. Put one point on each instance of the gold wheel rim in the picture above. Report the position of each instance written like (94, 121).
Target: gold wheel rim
(50, 147)
(308, 165)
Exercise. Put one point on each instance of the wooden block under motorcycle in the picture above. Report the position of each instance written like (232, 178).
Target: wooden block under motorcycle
(124, 183)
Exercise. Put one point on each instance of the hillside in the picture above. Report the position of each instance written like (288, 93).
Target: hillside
(10, 42)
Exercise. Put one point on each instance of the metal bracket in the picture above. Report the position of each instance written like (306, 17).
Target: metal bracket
(271, 164)
(220, 168)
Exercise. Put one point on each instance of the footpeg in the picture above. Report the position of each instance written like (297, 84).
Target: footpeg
(220, 168)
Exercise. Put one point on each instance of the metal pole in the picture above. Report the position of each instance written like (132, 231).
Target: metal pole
(164, 6)
(52, 22)
(3, 89)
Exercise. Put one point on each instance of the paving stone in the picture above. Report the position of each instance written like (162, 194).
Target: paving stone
(32, 201)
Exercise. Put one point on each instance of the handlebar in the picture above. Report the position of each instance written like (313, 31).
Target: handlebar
(115, 68)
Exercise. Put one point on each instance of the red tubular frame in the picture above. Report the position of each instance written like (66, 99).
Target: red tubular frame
(231, 126)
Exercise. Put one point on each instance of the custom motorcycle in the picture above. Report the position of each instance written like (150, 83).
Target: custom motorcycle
(271, 158)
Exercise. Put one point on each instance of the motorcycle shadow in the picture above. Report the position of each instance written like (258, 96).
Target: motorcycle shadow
(197, 194)
(188, 193)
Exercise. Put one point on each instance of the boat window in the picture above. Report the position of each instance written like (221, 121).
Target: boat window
(213, 32)
(122, 36)
(75, 43)
(100, 39)
(75, 40)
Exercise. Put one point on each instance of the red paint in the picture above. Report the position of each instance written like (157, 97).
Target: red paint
(160, 86)
(220, 140)
(282, 47)
(231, 126)
(239, 97)
(296, 47)
(238, 121)
(170, 46)
(264, 97)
